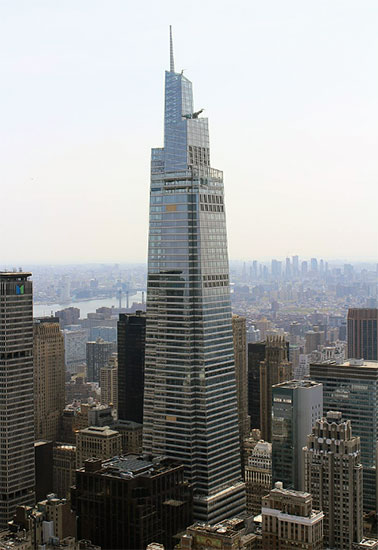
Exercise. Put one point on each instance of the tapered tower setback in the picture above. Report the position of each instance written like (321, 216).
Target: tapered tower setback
(190, 406)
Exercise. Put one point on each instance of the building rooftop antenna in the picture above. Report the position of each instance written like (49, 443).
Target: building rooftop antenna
(172, 61)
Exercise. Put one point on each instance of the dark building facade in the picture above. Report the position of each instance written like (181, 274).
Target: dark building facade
(363, 334)
(98, 355)
(127, 502)
(256, 354)
(43, 469)
(131, 346)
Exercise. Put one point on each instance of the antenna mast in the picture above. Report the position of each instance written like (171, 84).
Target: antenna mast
(172, 62)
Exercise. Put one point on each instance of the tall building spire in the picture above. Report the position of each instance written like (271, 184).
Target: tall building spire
(172, 61)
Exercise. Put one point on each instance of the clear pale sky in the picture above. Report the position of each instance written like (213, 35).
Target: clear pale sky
(290, 88)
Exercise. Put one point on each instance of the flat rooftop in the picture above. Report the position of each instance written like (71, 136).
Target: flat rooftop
(14, 274)
(293, 384)
(98, 430)
(132, 465)
(228, 527)
(350, 363)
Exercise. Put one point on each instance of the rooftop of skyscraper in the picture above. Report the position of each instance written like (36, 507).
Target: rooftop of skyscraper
(293, 384)
(129, 466)
(351, 363)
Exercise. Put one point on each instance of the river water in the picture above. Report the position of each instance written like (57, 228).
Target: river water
(85, 306)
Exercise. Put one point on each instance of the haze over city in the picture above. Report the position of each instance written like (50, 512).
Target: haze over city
(219, 390)
(290, 90)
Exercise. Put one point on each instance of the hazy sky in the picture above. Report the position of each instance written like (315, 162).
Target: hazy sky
(290, 88)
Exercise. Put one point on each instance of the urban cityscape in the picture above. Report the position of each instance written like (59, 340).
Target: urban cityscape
(189, 401)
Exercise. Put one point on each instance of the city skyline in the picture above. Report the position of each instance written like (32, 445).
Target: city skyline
(291, 92)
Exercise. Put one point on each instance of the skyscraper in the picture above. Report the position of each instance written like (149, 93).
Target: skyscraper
(131, 348)
(49, 378)
(333, 475)
(109, 382)
(98, 355)
(363, 333)
(273, 370)
(295, 260)
(296, 407)
(258, 475)
(190, 405)
(352, 389)
(256, 354)
(240, 350)
(17, 463)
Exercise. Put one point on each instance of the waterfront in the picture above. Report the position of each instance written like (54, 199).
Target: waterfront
(85, 306)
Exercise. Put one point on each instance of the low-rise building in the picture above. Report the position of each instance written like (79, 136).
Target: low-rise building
(229, 534)
(49, 522)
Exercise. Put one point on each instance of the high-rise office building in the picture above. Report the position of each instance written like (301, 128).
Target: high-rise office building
(352, 389)
(132, 436)
(68, 316)
(314, 338)
(43, 468)
(363, 334)
(49, 378)
(131, 350)
(304, 269)
(240, 350)
(296, 407)
(258, 475)
(64, 467)
(98, 355)
(290, 521)
(295, 260)
(109, 382)
(256, 354)
(127, 502)
(75, 342)
(288, 270)
(17, 462)
(273, 370)
(190, 404)
(333, 476)
(314, 265)
(276, 269)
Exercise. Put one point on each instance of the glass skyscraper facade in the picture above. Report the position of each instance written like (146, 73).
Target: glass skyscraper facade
(190, 406)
